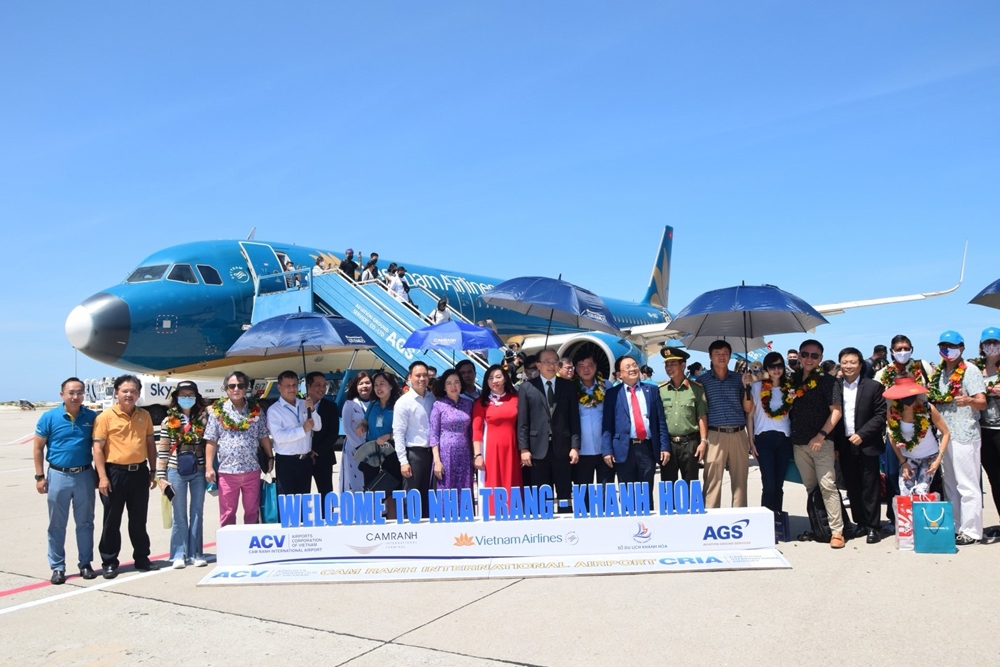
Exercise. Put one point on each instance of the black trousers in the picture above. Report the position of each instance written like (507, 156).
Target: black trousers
(322, 472)
(863, 481)
(129, 490)
(990, 458)
(639, 466)
(294, 475)
(589, 465)
(682, 461)
(556, 471)
(421, 461)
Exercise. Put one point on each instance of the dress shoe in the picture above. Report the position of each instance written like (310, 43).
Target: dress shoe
(859, 531)
(837, 541)
(58, 577)
(87, 572)
(874, 537)
(110, 571)
(146, 567)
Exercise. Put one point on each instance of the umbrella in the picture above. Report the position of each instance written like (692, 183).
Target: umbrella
(738, 343)
(745, 312)
(300, 332)
(453, 335)
(989, 297)
(555, 299)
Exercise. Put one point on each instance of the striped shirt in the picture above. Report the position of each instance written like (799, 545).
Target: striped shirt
(166, 451)
(725, 399)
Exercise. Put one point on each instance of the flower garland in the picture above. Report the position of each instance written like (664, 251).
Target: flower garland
(913, 369)
(175, 431)
(934, 393)
(921, 424)
(811, 381)
(786, 402)
(980, 363)
(230, 424)
(588, 400)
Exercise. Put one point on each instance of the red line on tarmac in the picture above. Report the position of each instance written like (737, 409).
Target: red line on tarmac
(43, 584)
(19, 441)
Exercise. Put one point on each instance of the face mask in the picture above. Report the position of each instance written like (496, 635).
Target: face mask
(186, 402)
(950, 353)
(991, 349)
(794, 363)
(902, 356)
(909, 400)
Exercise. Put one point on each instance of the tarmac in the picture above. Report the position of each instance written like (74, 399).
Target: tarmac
(862, 605)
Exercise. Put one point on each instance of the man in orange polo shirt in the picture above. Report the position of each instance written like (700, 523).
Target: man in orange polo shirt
(125, 458)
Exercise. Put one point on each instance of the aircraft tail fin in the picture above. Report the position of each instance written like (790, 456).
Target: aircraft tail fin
(659, 281)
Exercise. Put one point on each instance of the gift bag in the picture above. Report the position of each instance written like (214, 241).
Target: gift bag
(166, 506)
(933, 528)
(792, 473)
(903, 508)
(269, 501)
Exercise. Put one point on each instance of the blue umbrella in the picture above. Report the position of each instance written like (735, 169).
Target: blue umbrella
(300, 332)
(554, 299)
(989, 297)
(453, 335)
(746, 312)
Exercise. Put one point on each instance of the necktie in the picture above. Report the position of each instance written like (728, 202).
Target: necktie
(550, 396)
(640, 429)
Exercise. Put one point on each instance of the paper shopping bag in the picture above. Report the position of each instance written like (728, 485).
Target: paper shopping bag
(933, 528)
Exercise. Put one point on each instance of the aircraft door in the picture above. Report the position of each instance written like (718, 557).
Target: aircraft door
(263, 263)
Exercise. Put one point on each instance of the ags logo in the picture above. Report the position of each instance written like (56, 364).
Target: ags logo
(267, 542)
(463, 540)
(733, 532)
(642, 533)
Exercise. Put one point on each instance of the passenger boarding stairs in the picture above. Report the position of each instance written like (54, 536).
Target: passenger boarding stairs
(371, 307)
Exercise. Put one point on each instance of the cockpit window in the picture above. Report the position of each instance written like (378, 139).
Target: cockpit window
(209, 274)
(182, 273)
(145, 274)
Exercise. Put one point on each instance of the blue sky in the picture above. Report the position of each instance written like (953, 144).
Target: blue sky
(839, 152)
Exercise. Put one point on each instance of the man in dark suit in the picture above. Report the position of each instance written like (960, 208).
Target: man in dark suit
(634, 437)
(860, 438)
(324, 457)
(548, 429)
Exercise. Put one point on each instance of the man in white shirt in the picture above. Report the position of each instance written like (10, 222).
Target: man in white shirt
(410, 432)
(441, 313)
(396, 287)
(292, 421)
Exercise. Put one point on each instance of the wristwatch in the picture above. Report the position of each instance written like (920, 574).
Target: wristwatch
(823, 433)
(39, 478)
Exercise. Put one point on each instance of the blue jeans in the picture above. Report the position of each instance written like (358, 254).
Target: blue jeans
(774, 451)
(80, 489)
(186, 533)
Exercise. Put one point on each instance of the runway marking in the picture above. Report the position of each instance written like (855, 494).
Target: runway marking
(43, 584)
(16, 470)
(78, 591)
(20, 441)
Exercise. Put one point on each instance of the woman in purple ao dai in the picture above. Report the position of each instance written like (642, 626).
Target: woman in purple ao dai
(451, 434)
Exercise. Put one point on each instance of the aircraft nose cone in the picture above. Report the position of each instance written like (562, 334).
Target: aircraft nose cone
(99, 327)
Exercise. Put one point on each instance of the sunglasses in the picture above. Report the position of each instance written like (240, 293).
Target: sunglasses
(236, 386)
(776, 367)
(811, 355)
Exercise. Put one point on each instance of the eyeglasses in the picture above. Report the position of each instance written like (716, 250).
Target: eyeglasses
(810, 355)
(776, 367)
(236, 386)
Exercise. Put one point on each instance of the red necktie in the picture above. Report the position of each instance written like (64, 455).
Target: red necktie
(640, 430)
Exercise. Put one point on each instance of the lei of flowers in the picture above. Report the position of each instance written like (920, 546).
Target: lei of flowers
(980, 363)
(230, 424)
(786, 403)
(921, 424)
(811, 381)
(175, 431)
(954, 384)
(591, 400)
(913, 369)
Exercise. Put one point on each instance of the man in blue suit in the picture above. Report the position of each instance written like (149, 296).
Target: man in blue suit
(634, 437)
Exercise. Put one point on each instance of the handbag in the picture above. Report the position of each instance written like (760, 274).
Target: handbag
(166, 510)
(269, 501)
(187, 463)
(383, 482)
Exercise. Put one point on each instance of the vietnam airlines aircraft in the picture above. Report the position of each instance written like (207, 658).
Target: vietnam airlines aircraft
(180, 310)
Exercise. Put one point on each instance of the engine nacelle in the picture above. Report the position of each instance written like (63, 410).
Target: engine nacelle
(606, 349)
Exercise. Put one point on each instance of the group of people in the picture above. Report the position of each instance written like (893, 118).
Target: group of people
(559, 423)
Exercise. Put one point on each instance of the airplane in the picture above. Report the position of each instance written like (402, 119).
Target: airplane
(180, 310)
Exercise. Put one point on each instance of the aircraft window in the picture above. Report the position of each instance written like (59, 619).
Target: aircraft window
(182, 273)
(147, 273)
(209, 274)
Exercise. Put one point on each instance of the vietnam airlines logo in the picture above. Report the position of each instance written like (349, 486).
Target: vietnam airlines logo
(464, 540)
(642, 533)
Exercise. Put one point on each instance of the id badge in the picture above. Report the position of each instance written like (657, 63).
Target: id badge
(378, 422)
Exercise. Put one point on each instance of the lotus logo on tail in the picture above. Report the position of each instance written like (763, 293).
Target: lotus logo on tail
(463, 540)
(642, 533)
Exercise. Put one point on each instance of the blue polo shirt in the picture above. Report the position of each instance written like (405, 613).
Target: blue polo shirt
(725, 399)
(69, 442)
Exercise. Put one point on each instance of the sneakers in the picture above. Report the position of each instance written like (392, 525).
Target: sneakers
(199, 562)
(964, 540)
(179, 564)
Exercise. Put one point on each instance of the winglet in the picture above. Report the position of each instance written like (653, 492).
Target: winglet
(251, 234)
(659, 282)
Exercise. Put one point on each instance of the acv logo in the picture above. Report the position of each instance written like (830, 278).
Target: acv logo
(267, 542)
(733, 532)
(642, 533)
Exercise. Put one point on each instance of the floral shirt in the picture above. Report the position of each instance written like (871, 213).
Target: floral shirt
(237, 450)
(963, 423)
